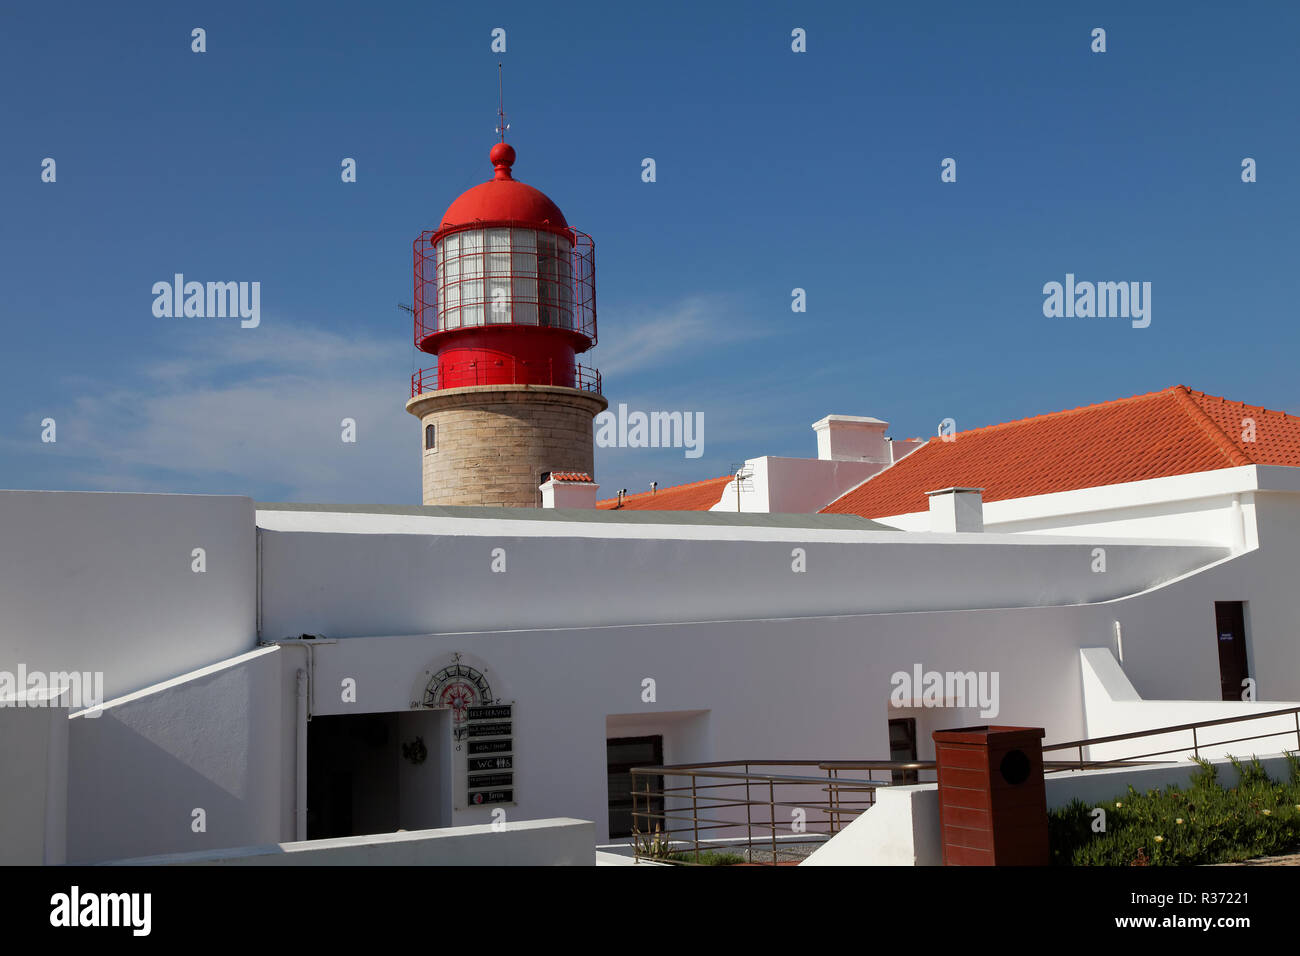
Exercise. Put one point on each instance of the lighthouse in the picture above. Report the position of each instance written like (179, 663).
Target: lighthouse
(505, 298)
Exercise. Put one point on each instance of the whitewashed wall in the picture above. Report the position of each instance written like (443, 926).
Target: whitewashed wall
(103, 582)
(794, 485)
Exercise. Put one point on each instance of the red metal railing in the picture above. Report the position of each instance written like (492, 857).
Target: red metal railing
(511, 372)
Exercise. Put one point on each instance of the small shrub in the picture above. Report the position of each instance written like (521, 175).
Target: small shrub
(707, 858)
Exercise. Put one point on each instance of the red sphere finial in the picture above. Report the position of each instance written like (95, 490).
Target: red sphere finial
(502, 157)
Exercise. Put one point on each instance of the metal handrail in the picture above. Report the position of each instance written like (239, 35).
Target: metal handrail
(1082, 764)
(519, 372)
(688, 810)
(1174, 728)
(682, 817)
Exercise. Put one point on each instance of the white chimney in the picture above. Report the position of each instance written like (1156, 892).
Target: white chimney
(957, 509)
(569, 489)
(852, 438)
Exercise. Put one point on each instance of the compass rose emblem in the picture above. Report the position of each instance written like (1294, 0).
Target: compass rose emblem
(457, 687)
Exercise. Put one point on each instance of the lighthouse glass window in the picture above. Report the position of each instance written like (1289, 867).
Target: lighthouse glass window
(449, 286)
(501, 275)
(554, 281)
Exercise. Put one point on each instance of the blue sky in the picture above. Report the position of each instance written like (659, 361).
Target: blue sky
(775, 170)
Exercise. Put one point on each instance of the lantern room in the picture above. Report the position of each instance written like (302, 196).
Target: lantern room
(505, 290)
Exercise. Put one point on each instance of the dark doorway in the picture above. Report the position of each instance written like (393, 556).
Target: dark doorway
(621, 755)
(902, 746)
(1230, 627)
(352, 764)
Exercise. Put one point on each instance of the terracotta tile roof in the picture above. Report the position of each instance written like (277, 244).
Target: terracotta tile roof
(579, 476)
(697, 496)
(1172, 432)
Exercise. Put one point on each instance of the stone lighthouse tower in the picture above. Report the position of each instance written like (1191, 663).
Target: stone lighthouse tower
(505, 297)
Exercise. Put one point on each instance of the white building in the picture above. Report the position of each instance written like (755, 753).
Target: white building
(299, 671)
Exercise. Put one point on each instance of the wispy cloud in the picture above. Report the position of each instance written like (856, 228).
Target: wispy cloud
(257, 412)
(694, 326)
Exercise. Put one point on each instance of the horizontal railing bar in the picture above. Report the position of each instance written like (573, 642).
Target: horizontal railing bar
(684, 813)
(1056, 766)
(679, 793)
(1200, 745)
(1176, 728)
(715, 825)
(826, 806)
(775, 778)
(877, 765)
(764, 763)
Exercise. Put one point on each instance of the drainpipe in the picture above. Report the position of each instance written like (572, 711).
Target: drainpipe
(1238, 521)
(306, 685)
(300, 774)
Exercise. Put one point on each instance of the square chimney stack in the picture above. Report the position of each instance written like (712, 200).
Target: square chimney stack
(957, 509)
(569, 489)
(852, 438)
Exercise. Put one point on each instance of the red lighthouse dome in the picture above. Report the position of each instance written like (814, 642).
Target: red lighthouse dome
(505, 289)
(503, 197)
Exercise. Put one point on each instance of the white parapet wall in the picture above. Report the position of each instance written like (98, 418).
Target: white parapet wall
(902, 829)
(33, 778)
(561, 841)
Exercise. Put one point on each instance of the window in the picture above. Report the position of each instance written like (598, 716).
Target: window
(500, 275)
(554, 282)
(524, 263)
(621, 755)
(902, 747)
(471, 278)
(430, 437)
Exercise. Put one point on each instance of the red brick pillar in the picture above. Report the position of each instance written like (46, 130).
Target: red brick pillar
(992, 802)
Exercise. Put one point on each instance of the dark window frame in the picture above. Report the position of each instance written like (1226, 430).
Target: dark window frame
(904, 776)
(656, 804)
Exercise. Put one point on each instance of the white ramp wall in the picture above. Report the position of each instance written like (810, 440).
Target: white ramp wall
(1112, 706)
(214, 741)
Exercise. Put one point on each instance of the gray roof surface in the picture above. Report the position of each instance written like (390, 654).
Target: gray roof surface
(610, 516)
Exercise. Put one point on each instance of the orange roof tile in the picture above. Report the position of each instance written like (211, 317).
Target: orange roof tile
(1172, 432)
(579, 476)
(697, 496)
